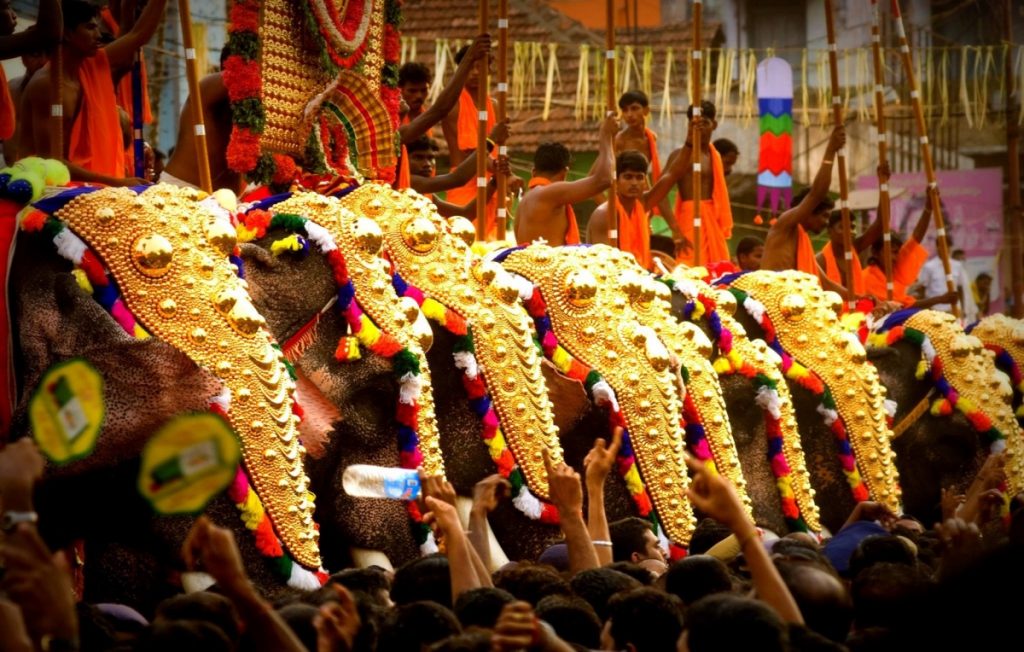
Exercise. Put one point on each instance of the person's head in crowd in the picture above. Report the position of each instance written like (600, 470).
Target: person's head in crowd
(426, 578)
(82, 33)
(300, 617)
(414, 626)
(598, 585)
(749, 252)
(729, 152)
(190, 635)
(33, 61)
(634, 540)
(422, 157)
(473, 79)
(958, 254)
(642, 620)
(414, 80)
(631, 174)
(804, 639)
(800, 549)
(530, 582)
(372, 581)
(551, 160)
(821, 596)
(465, 642)
(697, 576)
(573, 619)
(886, 595)
(8, 19)
(707, 533)
(983, 282)
(636, 571)
(205, 606)
(881, 549)
(557, 556)
(480, 607)
(97, 630)
(819, 218)
(730, 622)
(634, 107)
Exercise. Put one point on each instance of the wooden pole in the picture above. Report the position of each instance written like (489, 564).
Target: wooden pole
(695, 93)
(883, 146)
(926, 154)
(502, 111)
(1013, 173)
(195, 99)
(609, 73)
(57, 103)
(481, 131)
(837, 118)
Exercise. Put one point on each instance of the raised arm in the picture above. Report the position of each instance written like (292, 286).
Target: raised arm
(597, 181)
(874, 231)
(466, 170)
(41, 36)
(567, 495)
(448, 98)
(597, 465)
(921, 228)
(121, 52)
(819, 189)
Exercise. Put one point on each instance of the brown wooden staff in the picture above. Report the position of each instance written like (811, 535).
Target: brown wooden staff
(195, 98)
(609, 71)
(1013, 172)
(481, 132)
(57, 103)
(882, 140)
(695, 93)
(926, 154)
(502, 111)
(837, 118)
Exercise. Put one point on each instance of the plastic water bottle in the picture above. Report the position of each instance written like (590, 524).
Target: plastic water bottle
(368, 481)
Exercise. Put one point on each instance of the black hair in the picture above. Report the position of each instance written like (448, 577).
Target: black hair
(627, 537)
(414, 72)
(467, 642)
(954, 251)
(747, 245)
(177, 635)
(697, 576)
(598, 585)
(370, 581)
(424, 142)
(531, 582)
(826, 204)
(410, 627)
(648, 619)
(895, 242)
(299, 617)
(480, 607)
(707, 533)
(631, 160)
(573, 619)
(729, 622)
(426, 578)
(76, 12)
(205, 606)
(821, 596)
(634, 97)
(636, 571)
(551, 158)
(880, 548)
(707, 110)
(887, 594)
(725, 146)
(983, 275)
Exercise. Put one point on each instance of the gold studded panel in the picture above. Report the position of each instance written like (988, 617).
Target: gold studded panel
(439, 262)
(971, 371)
(597, 325)
(805, 322)
(360, 240)
(168, 256)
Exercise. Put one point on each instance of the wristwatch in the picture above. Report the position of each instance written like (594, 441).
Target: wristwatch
(11, 519)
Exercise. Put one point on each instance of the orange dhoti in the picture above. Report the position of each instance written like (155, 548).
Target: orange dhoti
(95, 140)
(909, 261)
(715, 219)
(467, 140)
(834, 272)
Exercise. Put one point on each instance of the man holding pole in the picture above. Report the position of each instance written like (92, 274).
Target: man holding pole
(93, 150)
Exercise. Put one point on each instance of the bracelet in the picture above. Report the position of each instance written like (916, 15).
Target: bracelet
(602, 543)
(490, 145)
(755, 535)
(826, 161)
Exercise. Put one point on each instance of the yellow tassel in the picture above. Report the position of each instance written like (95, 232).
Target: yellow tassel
(140, 332)
(83, 280)
(647, 72)
(824, 101)
(625, 77)
(579, 110)
(965, 99)
(550, 84)
(705, 57)
(290, 243)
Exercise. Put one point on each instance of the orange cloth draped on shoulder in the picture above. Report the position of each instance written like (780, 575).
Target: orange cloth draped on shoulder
(406, 120)
(834, 273)
(124, 87)
(467, 135)
(572, 230)
(909, 261)
(403, 180)
(652, 154)
(805, 258)
(635, 232)
(95, 141)
(715, 218)
(6, 108)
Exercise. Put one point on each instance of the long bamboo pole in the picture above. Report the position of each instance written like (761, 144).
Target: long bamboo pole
(882, 139)
(837, 118)
(502, 111)
(57, 103)
(609, 73)
(195, 99)
(1013, 173)
(926, 154)
(695, 94)
(481, 131)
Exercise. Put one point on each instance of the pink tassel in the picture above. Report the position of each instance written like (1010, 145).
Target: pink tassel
(123, 316)
(239, 488)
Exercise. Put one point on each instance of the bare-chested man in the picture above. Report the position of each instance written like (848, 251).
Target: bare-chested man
(92, 138)
(545, 211)
(635, 110)
(787, 245)
(182, 169)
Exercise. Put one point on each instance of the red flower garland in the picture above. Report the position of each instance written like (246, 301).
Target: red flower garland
(285, 170)
(244, 16)
(242, 78)
(392, 46)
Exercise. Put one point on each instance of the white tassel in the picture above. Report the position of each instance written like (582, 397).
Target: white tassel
(409, 388)
(302, 579)
(321, 237)
(525, 287)
(70, 246)
(528, 504)
(928, 350)
(830, 416)
(213, 206)
(602, 392)
(223, 399)
(663, 541)
(754, 308)
(429, 547)
(686, 288)
(997, 447)
(768, 400)
(467, 362)
(890, 407)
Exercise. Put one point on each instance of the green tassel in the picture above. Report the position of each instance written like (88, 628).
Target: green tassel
(288, 222)
(914, 336)
(405, 362)
(827, 400)
(764, 381)
(53, 226)
(592, 379)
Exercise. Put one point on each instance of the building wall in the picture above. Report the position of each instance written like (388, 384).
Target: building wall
(642, 13)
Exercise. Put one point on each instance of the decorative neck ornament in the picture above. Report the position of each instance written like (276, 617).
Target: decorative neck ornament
(1004, 336)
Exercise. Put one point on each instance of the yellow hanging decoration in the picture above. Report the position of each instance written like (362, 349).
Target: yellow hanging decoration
(705, 60)
(519, 56)
(1019, 72)
(549, 86)
(965, 98)
(805, 114)
(927, 82)
(864, 87)
(536, 59)
(987, 68)
(582, 84)
(441, 65)
(824, 99)
(597, 104)
(944, 85)
(752, 109)
(647, 72)
(666, 88)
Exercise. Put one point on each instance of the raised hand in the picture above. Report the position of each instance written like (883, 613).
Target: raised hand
(489, 492)
(442, 515)
(951, 502)
(716, 497)
(338, 623)
(480, 48)
(40, 583)
(609, 126)
(13, 636)
(836, 140)
(212, 549)
(564, 486)
(21, 466)
(438, 487)
(599, 461)
(501, 131)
